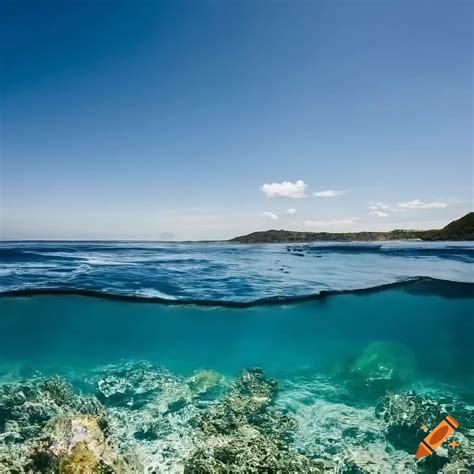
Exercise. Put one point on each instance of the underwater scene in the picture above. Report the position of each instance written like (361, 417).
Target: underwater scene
(161, 357)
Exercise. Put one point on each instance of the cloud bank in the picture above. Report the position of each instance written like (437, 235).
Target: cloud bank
(380, 209)
(417, 204)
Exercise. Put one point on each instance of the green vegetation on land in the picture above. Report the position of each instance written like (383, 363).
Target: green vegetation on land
(461, 229)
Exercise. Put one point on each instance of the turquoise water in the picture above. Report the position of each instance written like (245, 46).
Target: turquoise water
(437, 327)
(223, 358)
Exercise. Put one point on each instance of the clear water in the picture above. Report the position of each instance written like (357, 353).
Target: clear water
(436, 326)
(228, 307)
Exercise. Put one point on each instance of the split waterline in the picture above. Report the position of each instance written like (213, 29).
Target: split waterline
(430, 320)
(338, 381)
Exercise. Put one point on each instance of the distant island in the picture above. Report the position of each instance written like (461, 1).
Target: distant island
(461, 229)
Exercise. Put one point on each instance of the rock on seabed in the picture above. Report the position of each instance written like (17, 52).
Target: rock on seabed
(137, 417)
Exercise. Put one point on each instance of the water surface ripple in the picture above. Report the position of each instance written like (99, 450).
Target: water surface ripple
(227, 272)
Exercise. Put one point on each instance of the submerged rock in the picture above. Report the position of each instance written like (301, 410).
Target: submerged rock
(26, 407)
(246, 402)
(242, 433)
(461, 458)
(45, 427)
(155, 421)
(156, 416)
(133, 384)
(382, 365)
(405, 414)
(204, 382)
(350, 438)
(376, 459)
(248, 450)
(83, 443)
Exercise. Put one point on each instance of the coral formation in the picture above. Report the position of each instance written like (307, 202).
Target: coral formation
(133, 383)
(137, 417)
(25, 408)
(154, 410)
(242, 433)
(246, 401)
(79, 443)
(45, 427)
(351, 438)
(404, 414)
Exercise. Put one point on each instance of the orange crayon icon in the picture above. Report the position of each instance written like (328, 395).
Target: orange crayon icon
(437, 437)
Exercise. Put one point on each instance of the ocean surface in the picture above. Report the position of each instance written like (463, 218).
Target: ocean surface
(355, 345)
(227, 272)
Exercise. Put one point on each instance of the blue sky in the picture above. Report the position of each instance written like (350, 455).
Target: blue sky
(139, 119)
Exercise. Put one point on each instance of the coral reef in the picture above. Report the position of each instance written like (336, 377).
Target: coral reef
(155, 411)
(45, 427)
(242, 433)
(352, 438)
(404, 414)
(78, 443)
(460, 459)
(245, 403)
(25, 408)
(133, 383)
(248, 450)
(137, 417)
(358, 437)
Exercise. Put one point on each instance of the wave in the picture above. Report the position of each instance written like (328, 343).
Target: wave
(217, 273)
(16, 255)
(421, 284)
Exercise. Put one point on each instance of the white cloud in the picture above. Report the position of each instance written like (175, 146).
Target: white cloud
(309, 223)
(270, 215)
(380, 209)
(285, 189)
(330, 193)
(380, 206)
(291, 211)
(376, 213)
(417, 204)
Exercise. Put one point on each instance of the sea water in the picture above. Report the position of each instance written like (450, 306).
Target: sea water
(338, 326)
(227, 272)
(433, 320)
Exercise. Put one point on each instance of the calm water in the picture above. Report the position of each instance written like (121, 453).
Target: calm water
(433, 320)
